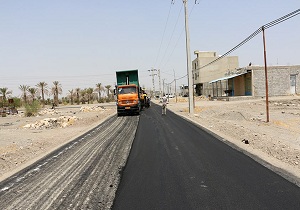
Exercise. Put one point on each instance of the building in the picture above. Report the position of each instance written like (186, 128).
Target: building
(204, 73)
(251, 80)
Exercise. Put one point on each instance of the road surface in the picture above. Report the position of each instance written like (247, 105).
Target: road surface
(174, 164)
(84, 174)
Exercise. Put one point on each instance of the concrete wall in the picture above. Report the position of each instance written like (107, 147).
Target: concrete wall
(218, 90)
(213, 71)
(239, 85)
(278, 80)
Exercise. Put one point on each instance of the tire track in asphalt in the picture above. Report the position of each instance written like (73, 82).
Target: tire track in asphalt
(83, 174)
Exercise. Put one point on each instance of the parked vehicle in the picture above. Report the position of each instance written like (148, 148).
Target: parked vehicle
(170, 96)
(128, 92)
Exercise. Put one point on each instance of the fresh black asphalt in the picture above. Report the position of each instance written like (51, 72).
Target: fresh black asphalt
(173, 164)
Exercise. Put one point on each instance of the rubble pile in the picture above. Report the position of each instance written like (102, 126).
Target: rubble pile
(92, 108)
(49, 123)
(48, 112)
(201, 98)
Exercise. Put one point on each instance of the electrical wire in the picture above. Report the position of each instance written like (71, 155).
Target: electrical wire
(282, 19)
(169, 57)
(268, 25)
(171, 35)
(163, 34)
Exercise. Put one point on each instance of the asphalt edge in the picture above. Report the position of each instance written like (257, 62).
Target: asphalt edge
(280, 171)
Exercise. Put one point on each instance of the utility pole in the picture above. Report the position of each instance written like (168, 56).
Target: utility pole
(175, 86)
(159, 81)
(266, 74)
(153, 84)
(163, 92)
(168, 90)
(188, 55)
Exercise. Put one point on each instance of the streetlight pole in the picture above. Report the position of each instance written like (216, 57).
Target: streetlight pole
(188, 55)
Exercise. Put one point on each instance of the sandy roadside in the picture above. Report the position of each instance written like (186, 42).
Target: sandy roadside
(20, 147)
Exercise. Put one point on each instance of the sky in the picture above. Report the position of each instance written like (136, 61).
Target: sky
(82, 43)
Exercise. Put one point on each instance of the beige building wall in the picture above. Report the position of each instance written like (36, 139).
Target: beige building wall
(213, 71)
(239, 84)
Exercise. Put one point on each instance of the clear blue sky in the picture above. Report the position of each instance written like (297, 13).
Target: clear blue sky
(81, 43)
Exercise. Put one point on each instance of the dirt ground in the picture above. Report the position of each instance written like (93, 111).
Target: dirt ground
(239, 122)
(23, 140)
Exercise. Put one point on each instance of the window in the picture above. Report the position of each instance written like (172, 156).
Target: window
(127, 90)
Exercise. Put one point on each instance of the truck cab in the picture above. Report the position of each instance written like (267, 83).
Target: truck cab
(128, 92)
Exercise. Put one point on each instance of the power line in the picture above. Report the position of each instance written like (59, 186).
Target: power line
(163, 33)
(169, 57)
(282, 19)
(171, 35)
(268, 25)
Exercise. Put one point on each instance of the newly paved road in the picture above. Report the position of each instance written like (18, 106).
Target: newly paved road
(175, 165)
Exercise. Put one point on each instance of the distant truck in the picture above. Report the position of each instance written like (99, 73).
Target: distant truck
(128, 92)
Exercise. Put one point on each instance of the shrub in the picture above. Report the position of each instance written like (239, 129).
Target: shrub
(32, 109)
(17, 102)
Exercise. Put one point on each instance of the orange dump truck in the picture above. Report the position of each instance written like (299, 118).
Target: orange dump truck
(128, 92)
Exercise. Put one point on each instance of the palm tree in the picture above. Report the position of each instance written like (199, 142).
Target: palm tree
(83, 95)
(4, 92)
(71, 96)
(108, 87)
(89, 93)
(24, 89)
(98, 89)
(43, 86)
(56, 89)
(77, 90)
(33, 92)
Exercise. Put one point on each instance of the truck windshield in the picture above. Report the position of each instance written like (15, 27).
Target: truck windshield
(126, 90)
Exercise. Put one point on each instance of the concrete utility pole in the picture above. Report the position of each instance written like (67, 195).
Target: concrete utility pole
(160, 94)
(153, 84)
(163, 92)
(188, 55)
(175, 86)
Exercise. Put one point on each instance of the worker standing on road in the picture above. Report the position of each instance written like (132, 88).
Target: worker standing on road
(164, 105)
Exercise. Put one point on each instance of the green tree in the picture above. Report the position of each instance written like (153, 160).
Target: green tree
(89, 94)
(56, 90)
(98, 89)
(33, 92)
(108, 89)
(77, 90)
(71, 96)
(43, 87)
(83, 96)
(5, 92)
(24, 89)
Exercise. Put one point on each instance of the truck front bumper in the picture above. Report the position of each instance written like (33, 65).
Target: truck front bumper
(128, 109)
